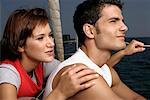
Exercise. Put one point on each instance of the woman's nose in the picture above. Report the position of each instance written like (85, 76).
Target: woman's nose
(50, 42)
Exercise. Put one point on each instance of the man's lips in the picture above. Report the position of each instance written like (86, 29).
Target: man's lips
(121, 37)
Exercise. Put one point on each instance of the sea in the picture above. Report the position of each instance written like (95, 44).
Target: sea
(134, 70)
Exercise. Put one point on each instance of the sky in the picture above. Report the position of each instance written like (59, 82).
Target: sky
(136, 14)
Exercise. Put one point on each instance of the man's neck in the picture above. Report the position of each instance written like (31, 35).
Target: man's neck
(99, 57)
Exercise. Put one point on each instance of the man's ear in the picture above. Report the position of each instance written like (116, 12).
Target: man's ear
(88, 30)
(21, 49)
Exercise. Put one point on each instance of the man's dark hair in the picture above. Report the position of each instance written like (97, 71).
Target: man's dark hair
(89, 12)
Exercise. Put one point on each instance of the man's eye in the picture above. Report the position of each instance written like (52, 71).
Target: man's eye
(113, 21)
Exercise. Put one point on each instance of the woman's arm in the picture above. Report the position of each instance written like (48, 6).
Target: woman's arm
(9, 82)
(8, 92)
(71, 80)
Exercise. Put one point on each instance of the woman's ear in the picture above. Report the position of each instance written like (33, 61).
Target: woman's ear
(88, 30)
(21, 49)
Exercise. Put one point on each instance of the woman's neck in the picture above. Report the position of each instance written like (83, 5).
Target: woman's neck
(28, 64)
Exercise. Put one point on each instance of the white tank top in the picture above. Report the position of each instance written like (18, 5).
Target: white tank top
(79, 57)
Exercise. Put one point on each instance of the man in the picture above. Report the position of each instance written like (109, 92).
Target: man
(100, 27)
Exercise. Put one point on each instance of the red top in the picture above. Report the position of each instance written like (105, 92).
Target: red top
(27, 87)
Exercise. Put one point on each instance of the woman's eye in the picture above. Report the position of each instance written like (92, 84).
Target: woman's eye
(51, 35)
(40, 38)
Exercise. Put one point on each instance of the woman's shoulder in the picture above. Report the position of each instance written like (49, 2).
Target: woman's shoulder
(8, 67)
(9, 74)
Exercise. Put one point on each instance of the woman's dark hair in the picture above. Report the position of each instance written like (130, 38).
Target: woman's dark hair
(19, 27)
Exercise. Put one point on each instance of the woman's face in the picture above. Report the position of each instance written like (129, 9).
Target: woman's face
(40, 46)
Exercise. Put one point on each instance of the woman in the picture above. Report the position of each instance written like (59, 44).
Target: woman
(27, 43)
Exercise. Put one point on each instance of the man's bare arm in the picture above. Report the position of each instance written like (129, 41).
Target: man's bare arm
(99, 91)
(122, 90)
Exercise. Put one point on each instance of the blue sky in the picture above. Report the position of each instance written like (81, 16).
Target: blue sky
(136, 14)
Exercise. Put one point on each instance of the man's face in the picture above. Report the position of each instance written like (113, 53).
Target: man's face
(110, 29)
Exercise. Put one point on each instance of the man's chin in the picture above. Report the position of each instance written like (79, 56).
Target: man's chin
(119, 48)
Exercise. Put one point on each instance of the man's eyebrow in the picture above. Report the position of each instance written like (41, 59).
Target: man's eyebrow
(114, 18)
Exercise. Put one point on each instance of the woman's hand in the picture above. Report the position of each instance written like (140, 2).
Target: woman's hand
(76, 78)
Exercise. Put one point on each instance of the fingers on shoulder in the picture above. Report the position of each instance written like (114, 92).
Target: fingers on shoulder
(75, 68)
